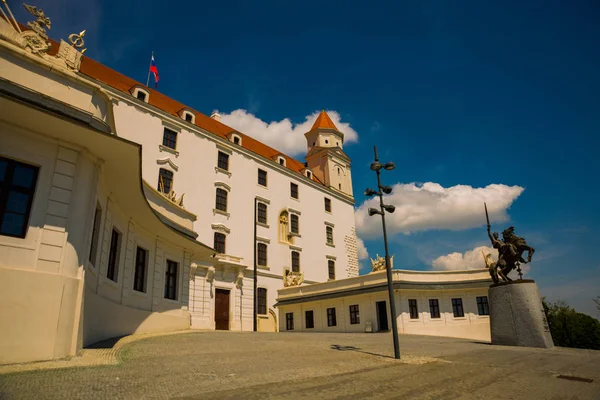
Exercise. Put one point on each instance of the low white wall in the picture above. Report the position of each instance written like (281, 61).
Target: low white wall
(38, 315)
(471, 326)
(104, 319)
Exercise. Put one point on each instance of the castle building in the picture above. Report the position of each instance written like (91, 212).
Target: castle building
(124, 211)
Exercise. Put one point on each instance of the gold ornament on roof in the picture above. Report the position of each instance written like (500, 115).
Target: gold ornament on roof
(76, 40)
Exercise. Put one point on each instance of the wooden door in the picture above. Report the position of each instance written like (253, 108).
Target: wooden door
(382, 320)
(222, 309)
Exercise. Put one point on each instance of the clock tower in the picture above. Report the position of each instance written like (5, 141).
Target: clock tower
(326, 159)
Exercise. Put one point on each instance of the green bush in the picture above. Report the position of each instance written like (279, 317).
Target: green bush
(570, 328)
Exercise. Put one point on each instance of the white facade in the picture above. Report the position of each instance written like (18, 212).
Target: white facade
(444, 304)
(194, 165)
(96, 217)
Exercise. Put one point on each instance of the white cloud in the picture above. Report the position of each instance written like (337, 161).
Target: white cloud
(363, 254)
(284, 135)
(472, 259)
(428, 206)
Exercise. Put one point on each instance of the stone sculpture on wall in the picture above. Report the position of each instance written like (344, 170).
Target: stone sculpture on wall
(378, 264)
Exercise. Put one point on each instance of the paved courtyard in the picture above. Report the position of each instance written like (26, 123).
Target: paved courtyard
(211, 365)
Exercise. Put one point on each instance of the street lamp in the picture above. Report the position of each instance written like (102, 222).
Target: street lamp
(377, 166)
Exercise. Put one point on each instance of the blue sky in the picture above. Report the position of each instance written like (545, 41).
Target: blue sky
(474, 94)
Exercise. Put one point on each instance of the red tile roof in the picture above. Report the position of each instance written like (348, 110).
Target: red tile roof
(123, 83)
(118, 81)
(323, 121)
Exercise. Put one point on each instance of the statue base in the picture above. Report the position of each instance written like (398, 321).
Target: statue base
(517, 316)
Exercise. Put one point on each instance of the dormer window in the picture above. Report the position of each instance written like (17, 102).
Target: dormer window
(187, 115)
(140, 93)
(235, 138)
(281, 161)
(308, 174)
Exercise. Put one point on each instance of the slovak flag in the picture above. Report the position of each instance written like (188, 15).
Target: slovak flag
(154, 71)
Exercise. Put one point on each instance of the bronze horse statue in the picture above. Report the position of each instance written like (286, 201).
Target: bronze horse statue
(510, 253)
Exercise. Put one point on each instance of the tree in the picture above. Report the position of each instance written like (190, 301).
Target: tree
(570, 328)
(597, 301)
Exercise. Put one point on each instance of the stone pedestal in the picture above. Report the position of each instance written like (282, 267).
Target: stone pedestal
(517, 316)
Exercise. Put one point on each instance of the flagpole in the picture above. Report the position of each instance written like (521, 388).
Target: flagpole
(148, 81)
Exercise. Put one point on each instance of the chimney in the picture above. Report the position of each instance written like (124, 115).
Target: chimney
(216, 116)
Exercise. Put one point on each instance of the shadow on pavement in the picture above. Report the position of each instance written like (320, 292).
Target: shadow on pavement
(105, 344)
(352, 348)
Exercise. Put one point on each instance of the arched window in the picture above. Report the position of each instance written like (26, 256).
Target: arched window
(165, 181)
(221, 201)
(339, 171)
(283, 226)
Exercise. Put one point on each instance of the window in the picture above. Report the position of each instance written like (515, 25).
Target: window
(434, 308)
(95, 234)
(329, 232)
(331, 320)
(262, 177)
(165, 181)
(482, 305)
(141, 265)
(219, 242)
(113, 256)
(354, 317)
(295, 223)
(310, 319)
(327, 204)
(261, 214)
(141, 95)
(281, 160)
(414, 311)
(169, 138)
(236, 140)
(295, 261)
(261, 254)
(262, 301)
(189, 117)
(223, 161)
(339, 172)
(294, 190)
(221, 201)
(309, 174)
(457, 308)
(17, 185)
(339, 186)
(289, 321)
(171, 280)
(331, 268)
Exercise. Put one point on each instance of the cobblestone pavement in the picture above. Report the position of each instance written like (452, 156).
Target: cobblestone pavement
(211, 365)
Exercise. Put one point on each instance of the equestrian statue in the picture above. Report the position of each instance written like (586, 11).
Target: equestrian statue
(510, 252)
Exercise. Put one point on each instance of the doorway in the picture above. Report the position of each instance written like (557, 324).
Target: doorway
(382, 319)
(222, 309)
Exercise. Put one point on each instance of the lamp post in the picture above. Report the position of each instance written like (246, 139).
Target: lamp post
(377, 166)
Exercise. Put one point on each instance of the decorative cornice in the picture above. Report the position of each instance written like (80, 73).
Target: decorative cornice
(221, 228)
(163, 161)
